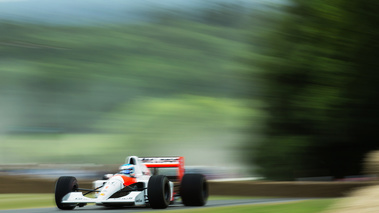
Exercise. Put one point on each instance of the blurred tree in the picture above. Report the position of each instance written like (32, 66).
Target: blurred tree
(66, 77)
(225, 14)
(321, 74)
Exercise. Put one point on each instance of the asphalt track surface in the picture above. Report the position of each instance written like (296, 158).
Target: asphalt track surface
(211, 203)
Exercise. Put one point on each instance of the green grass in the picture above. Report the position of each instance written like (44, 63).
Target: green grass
(309, 206)
(20, 201)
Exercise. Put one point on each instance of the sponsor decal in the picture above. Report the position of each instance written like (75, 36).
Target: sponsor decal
(139, 201)
(124, 198)
(81, 198)
(160, 160)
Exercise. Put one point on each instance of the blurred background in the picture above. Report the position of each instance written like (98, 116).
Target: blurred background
(279, 89)
(91, 82)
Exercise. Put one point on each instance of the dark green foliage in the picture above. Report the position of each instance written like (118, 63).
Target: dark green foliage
(322, 90)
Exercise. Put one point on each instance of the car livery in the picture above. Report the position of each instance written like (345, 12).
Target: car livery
(136, 185)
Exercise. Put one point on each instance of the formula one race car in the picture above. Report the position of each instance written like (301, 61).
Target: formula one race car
(135, 185)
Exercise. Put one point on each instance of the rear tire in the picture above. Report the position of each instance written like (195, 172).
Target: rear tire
(63, 186)
(159, 192)
(194, 190)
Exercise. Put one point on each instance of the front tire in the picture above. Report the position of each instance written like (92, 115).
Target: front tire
(63, 186)
(159, 192)
(194, 190)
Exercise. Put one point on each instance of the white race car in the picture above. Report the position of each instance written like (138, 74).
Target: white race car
(135, 185)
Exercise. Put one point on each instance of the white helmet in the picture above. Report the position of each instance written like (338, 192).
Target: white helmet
(128, 169)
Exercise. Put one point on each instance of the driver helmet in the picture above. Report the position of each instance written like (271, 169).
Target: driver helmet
(128, 169)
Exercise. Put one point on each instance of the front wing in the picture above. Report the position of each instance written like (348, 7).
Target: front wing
(136, 198)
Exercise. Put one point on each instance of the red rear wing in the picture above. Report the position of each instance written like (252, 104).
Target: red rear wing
(165, 162)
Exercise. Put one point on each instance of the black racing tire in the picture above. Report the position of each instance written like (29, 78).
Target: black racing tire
(159, 192)
(63, 186)
(194, 190)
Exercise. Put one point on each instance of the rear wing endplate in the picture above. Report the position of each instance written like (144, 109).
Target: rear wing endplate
(165, 162)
